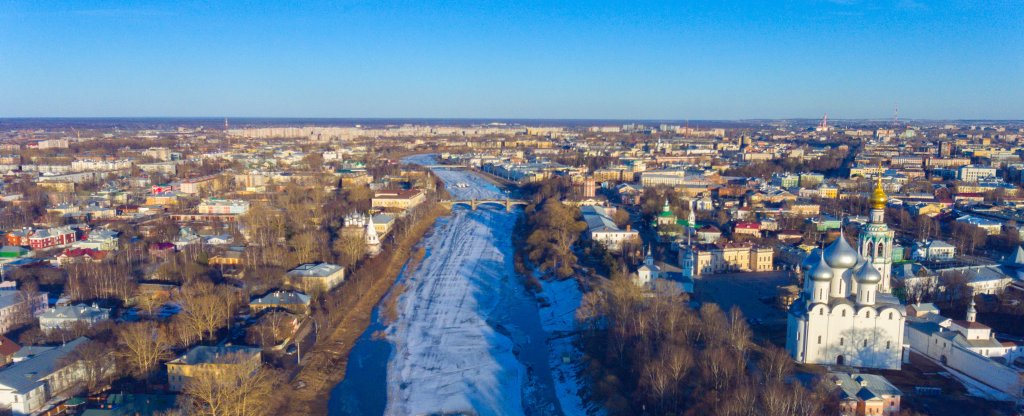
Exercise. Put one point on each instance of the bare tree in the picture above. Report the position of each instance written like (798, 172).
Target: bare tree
(143, 345)
(775, 364)
(205, 307)
(233, 391)
(96, 363)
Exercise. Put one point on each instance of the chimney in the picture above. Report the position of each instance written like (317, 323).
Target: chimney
(629, 227)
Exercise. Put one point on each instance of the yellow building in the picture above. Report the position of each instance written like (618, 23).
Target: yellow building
(398, 199)
(355, 179)
(163, 199)
(827, 191)
(204, 360)
(732, 257)
(230, 258)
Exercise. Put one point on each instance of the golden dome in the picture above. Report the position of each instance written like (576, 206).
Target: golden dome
(878, 198)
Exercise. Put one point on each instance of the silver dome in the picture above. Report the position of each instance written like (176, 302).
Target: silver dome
(810, 260)
(861, 261)
(840, 255)
(868, 274)
(820, 272)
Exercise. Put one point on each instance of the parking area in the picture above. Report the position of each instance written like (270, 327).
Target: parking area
(754, 294)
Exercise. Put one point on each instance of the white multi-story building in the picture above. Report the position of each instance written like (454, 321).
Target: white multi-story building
(88, 165)
(972, 173)
(843, 315)
(223, 206)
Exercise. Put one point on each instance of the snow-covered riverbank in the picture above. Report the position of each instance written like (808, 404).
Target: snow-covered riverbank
(559, 300)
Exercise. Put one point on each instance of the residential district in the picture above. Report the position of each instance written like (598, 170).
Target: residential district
(752, 267)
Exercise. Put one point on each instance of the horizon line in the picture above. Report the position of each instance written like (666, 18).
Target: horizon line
(575, 119)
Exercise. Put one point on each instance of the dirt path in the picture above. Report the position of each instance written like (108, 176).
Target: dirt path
(325, 365)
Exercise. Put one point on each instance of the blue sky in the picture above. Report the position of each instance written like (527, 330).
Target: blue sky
(489, 59)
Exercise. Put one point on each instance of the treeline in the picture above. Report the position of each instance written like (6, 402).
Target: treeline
(651, 354)
(545, 235)
(828, 163)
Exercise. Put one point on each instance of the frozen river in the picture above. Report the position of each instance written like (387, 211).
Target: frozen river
(468, 338)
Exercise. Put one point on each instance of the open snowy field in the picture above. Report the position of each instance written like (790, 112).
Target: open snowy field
(448, 358)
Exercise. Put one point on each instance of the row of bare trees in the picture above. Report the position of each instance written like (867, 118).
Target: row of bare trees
(653, 354)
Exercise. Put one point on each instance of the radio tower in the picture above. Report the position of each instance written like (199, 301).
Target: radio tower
(896, 116)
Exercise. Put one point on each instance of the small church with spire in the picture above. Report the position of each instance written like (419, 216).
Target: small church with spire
(846, 314)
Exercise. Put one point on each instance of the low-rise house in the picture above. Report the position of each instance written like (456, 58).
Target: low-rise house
(13, 252)
(99, 239)
(934, 250)
(26, 386)
(73, 255)
(119, 404)
(789, 236)
(866, 395)
(64, 317)
(162, 250)
(601, 229)
(51, 237)
(747, 228)
(210, 360)
(294, 302)
(18, 237)
(228, 258)
(218, 240)
(708, 234)
(383, 223)
(316, 276)
(19, 307)
(7, 350)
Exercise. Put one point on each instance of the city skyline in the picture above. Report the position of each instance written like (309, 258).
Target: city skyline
(460, 60)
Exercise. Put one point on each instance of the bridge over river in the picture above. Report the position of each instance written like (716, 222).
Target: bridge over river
(507, 203)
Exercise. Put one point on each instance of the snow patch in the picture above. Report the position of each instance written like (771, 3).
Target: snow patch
(559, 301)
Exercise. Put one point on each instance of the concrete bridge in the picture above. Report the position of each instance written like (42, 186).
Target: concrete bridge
(508, 203)
(446, 166)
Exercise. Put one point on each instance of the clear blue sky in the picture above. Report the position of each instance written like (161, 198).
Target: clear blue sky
(713, 59)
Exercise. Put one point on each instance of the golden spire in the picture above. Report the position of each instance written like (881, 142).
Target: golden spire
(878, 198)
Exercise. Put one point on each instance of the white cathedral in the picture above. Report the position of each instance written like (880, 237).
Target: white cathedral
(846, 314)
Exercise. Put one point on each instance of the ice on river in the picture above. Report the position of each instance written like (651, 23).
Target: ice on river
(476, 186)
(448, 358)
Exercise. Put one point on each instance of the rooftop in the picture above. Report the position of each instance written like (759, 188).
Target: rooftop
(314, 270)
(24, 376)
(205, 354)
